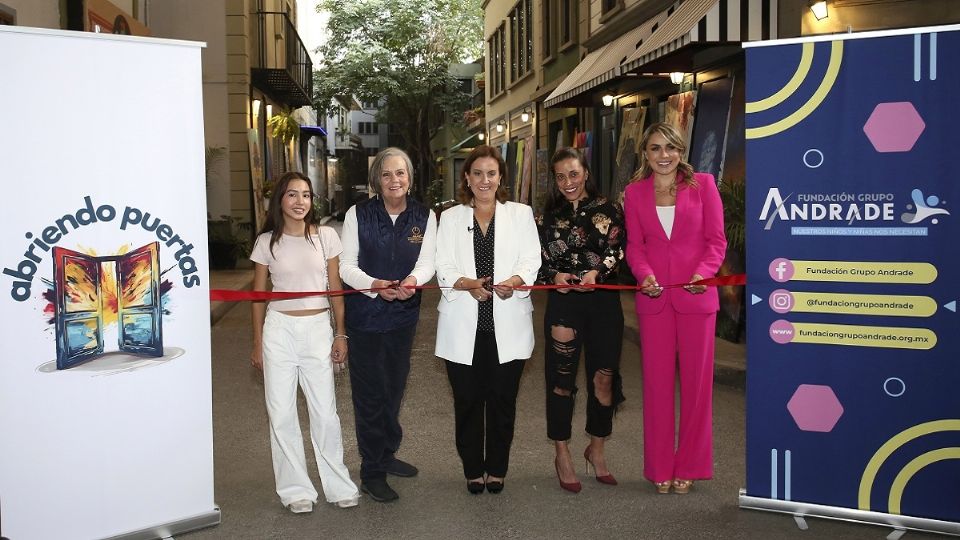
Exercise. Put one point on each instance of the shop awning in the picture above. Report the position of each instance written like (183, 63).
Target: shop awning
(467, 144)
(701, 23)
(313, 131)
(603, 64)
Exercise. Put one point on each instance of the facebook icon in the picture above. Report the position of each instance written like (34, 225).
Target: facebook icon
(781, 270)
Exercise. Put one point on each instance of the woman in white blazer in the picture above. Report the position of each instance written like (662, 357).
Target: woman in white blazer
(485, 248)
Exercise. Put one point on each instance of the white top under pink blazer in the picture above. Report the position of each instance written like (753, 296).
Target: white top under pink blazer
(696, 244)
(516, 252)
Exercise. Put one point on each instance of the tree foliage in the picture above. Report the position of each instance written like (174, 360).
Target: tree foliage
(399, 53)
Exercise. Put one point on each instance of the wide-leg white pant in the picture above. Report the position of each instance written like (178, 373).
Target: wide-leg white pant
(297, 349)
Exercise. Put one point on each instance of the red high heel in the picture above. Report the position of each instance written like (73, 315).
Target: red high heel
(607, 479)
(572, 487)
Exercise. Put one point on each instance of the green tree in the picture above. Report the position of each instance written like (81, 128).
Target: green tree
(399, 53)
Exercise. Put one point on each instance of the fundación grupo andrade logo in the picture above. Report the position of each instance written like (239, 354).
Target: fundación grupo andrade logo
(92, 296)
(852, 213)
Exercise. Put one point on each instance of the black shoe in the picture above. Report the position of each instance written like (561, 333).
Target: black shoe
(401, 468)
(495, 487)
(379, 490)
(475, 487)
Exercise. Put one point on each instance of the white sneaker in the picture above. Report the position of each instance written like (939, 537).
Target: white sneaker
(302, 506)
(348, 503)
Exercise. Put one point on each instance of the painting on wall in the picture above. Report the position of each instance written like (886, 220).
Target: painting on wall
(710, 136)
(628, 150)
(679, 113)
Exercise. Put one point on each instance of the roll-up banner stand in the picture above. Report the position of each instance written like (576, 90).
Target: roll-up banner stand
(105, 387)
(853, 226)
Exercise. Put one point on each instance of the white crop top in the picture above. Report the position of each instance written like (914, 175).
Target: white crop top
(666, 215)
(298, 265)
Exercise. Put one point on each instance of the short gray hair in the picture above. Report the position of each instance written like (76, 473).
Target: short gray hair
(376, 167)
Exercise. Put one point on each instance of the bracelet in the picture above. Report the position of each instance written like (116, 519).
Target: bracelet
(341, 336)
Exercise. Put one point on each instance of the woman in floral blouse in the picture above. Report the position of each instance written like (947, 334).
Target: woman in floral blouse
(581, 239)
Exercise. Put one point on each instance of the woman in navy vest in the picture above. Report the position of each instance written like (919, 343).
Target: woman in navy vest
(388, 244)
(485, 248)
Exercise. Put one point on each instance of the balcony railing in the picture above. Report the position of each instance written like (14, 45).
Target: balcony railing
(283, 70)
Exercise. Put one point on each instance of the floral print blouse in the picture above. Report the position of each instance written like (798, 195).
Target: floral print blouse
(576, 242)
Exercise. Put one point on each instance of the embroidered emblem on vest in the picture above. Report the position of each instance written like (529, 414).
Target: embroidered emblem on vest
(416, 236)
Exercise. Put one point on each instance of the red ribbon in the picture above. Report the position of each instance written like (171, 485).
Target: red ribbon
(226, 295)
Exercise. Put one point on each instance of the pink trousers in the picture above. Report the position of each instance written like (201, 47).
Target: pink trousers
(666, 338)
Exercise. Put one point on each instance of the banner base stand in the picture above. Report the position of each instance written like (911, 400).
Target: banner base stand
(802, 509)
(193, 523)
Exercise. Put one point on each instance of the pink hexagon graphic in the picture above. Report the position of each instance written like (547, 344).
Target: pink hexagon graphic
(815, 407)
(894, 127)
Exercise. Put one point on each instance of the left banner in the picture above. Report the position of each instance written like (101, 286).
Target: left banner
(105, 384)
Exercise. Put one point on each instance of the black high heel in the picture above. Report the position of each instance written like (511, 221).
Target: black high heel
(495, 486)
(475, 487)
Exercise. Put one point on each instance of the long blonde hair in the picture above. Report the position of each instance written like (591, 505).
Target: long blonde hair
(670, 133)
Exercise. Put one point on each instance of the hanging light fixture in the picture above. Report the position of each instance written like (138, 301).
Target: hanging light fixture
(607, 100)
(481, 136)
(819, 9)
(501, 125)
(525, 115)
(676, 77)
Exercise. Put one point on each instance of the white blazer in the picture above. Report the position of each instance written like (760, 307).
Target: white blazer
(516, 251)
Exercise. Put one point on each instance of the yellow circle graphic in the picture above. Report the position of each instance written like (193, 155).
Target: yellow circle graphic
(829, 78)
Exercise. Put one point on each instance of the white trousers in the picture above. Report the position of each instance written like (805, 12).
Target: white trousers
(297, 349)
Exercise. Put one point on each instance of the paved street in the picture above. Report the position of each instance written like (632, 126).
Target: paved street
(437, 505)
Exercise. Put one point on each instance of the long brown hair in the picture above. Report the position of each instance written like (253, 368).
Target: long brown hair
(670, 133)
(464, 195)
(275, 222)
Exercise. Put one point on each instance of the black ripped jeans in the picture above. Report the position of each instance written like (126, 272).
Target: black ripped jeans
(596, 319)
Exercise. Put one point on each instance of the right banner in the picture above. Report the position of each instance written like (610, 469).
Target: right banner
(853, 340)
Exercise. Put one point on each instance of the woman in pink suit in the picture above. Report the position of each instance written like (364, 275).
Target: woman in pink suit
(674, 221)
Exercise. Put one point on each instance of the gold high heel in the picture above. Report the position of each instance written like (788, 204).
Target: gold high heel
(663, 487)
(682, 486)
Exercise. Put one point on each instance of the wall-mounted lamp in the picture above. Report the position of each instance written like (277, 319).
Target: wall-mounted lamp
(269, 111)
(525, 115)
(501, 125)
(607, 100)
(481, 136)
(676, 77)
(819, 9)
(256, 107)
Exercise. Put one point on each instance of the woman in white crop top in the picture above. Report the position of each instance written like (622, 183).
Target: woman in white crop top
(293, 342)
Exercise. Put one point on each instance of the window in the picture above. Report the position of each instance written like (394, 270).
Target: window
(498, 61)
(371, 105)
(608, 6)
(521, 39)
(568, 22)
(466, 86)
(549, 47)
(368, 128)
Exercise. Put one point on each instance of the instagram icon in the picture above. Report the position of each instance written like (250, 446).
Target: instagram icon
(781, 301)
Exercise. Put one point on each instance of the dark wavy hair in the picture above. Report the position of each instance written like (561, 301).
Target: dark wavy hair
(275, 222)
(464, 195)
(555, 198)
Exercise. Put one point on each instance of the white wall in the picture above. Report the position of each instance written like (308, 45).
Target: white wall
(204, 21)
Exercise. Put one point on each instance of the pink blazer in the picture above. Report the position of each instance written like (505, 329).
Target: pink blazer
(697, 244)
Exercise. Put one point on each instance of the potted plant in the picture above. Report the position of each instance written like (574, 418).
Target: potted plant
(284, 127)
(227, 240)
(479, 79)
